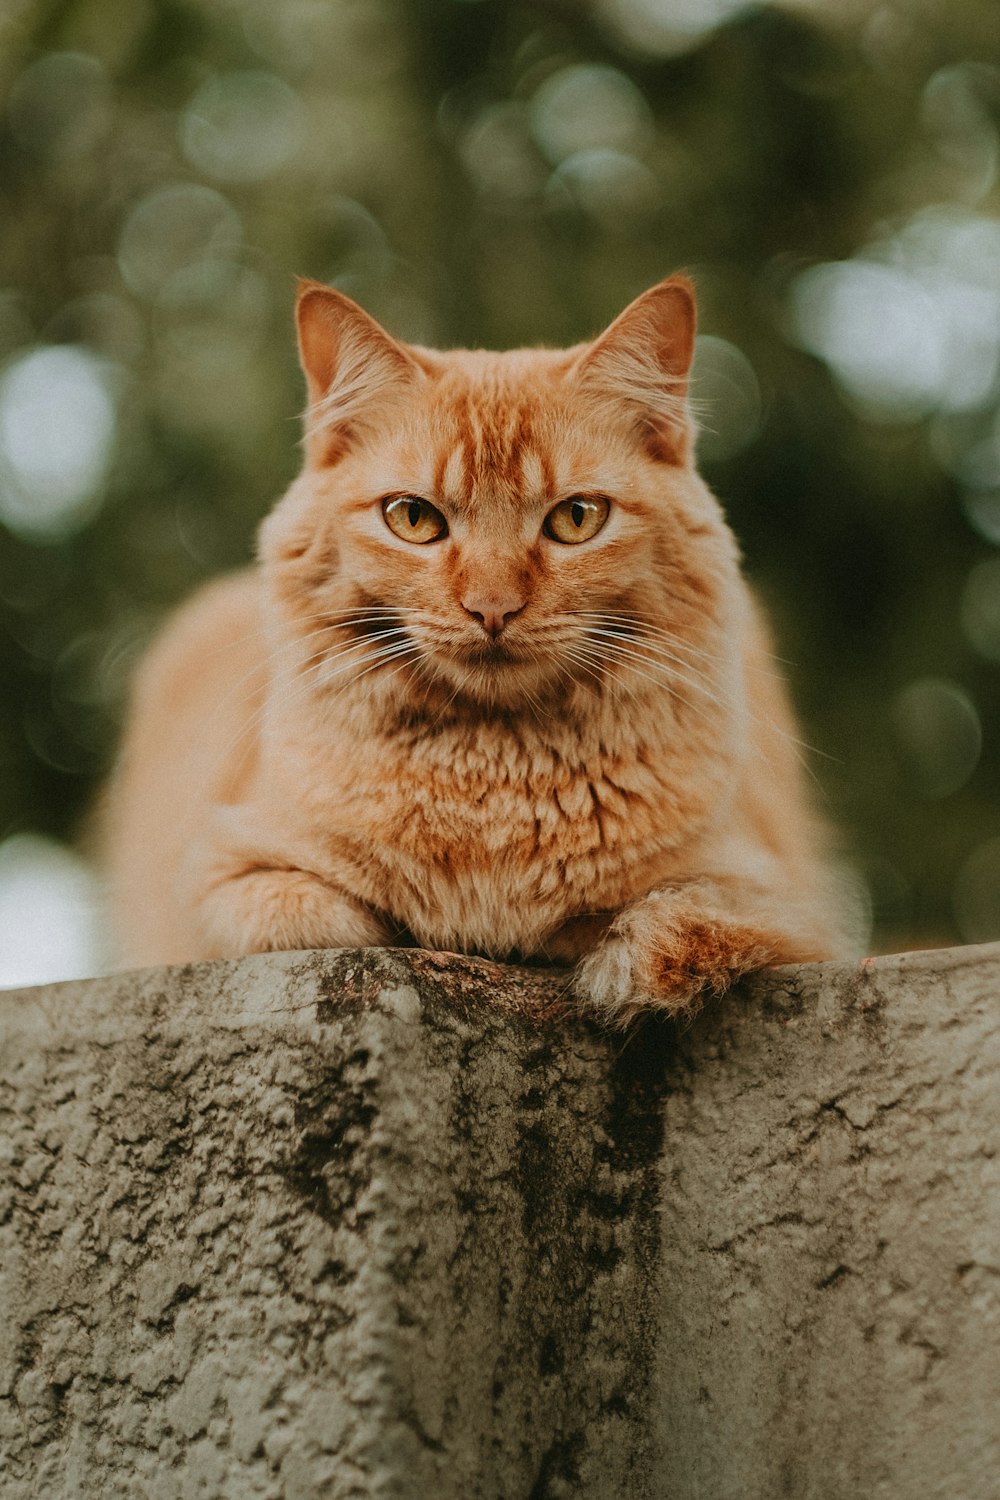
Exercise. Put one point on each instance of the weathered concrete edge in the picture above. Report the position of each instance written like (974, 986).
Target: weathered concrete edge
(435, 1151)
(765, 1197)
(285, 988)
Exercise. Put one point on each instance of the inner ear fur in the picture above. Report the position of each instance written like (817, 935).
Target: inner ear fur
(644, 360)
(348, 359)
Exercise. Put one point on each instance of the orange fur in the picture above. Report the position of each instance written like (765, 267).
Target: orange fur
(494, 742)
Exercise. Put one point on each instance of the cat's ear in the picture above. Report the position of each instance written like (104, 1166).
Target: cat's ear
(349, 360)
(644, 360)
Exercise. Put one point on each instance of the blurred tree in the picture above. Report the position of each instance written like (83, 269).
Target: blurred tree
(506, 171)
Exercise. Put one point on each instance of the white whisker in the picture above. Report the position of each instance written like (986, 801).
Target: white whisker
(268, 661)
(657, 658)
(297, 685)
(669, 667)
(647, 627)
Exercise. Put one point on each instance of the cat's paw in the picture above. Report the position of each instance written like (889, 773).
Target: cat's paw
(612, 983)
(605, 983)
(261, 910)
(659, 956)
(249, 893)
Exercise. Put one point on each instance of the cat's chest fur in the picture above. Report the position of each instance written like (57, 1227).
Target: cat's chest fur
(495, 835)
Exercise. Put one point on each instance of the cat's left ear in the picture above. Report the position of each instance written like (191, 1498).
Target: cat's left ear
(349, 360)
(644, 360)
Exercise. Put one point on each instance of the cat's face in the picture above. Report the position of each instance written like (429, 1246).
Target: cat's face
(501, 523)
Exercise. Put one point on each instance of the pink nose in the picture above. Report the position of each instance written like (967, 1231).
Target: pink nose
(494, 612)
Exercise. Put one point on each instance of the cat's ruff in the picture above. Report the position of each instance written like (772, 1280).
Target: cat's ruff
(496, 684)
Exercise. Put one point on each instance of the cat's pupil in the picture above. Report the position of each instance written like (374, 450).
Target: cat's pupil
(413, 511)
(578, 512)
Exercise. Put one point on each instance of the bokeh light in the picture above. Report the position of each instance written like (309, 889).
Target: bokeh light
(587, 108)
(726, 396)
(178, 243)
(912, 324)
(662, 30)
(981, 608)
(57, 423)
(939, 735)
(977, 894)
(957, 117)
(242, 127)
(498, 154)
(610, 186)
(983, 512)
(49, 913)
(60, 106)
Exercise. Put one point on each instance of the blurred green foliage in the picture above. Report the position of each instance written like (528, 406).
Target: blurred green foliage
(492, 172)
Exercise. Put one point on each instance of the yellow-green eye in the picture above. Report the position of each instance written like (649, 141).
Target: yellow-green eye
(576, 519)
(413, 519)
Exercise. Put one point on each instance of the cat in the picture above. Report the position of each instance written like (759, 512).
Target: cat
(495, 685)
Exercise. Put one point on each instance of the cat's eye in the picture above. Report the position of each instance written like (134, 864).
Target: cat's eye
(413, 519)
(576, 519)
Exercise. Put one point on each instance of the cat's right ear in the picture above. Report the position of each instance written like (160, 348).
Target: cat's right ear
(643, 362)
(349, 362)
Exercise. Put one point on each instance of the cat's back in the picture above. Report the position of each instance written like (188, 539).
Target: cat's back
(189, 744)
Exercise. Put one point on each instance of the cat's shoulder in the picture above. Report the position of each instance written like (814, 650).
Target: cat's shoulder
(220, 620)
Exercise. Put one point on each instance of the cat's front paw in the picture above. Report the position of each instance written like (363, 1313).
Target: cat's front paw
(611, 983)
(605, 983)
(661, 956)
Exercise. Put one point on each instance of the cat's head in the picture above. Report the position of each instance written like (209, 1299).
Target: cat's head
(506, 524)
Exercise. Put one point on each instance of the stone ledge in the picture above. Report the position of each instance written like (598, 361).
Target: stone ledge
(391, 1223)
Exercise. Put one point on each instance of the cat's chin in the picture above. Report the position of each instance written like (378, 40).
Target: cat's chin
(496, 674)
(495, 656)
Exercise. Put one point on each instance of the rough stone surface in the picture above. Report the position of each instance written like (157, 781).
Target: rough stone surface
(394, 1224)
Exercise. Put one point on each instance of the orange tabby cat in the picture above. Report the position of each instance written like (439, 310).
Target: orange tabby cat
(496, 685)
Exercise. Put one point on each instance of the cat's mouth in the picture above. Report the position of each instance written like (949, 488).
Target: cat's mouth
(494, 654)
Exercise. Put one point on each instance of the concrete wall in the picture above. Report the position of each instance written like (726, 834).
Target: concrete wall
(393, 1224)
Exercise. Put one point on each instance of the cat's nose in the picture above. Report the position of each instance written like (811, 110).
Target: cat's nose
(494, 612)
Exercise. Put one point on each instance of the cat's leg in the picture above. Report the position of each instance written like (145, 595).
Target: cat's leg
(681, 944)
(265, 908)
(250, 898)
